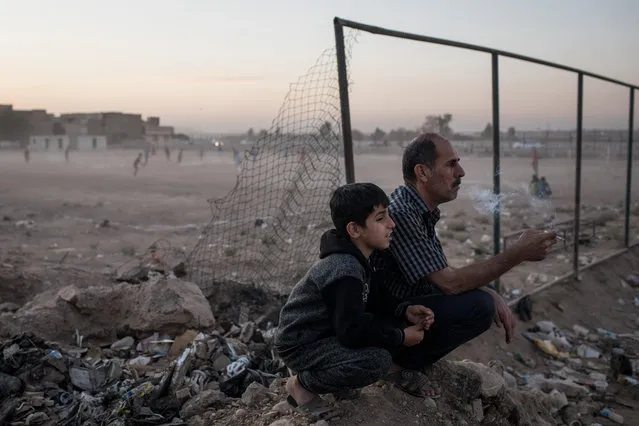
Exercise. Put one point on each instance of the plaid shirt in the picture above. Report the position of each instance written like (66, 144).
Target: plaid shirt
(415, 250)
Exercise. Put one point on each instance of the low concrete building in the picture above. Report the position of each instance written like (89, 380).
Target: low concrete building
(49, 142)
(91, 143)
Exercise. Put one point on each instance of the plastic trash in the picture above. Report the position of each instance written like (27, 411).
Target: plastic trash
(547, 347)
(580, 331)
(606, 333)
(55, 354)
(608, 413)
(547, 326)
(584, 351)
(237, 366)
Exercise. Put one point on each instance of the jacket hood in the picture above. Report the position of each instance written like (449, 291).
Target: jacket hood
(332, 242)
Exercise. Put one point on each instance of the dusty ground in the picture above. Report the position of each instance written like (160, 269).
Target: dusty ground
(69, 242)
(68, 201)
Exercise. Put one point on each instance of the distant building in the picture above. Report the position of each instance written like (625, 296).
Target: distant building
(91, 143)
(49, 142)
(120, 127)
(156, 134)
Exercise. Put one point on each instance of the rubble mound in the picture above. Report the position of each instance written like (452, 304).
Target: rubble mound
(166, 305)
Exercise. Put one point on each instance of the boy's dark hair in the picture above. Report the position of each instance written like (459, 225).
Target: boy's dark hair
(354, 202)
(421, 150)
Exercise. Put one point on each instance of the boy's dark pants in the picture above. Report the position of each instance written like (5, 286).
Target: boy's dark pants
(458, 319)
(326, 366)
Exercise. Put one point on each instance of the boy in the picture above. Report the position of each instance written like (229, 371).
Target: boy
(325, 333)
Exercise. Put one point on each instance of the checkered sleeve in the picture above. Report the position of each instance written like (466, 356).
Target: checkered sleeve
(417, 254)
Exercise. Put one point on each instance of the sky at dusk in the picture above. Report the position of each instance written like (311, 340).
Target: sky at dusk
(225, 66)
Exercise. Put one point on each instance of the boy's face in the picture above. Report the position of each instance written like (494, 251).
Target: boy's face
(377, 233)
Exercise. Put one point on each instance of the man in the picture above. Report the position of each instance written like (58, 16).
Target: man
(415, 266)
(136, 164)
(544, 188)
(535, 161)
(533, 186)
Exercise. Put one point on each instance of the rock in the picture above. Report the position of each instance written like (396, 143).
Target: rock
(460, 380)
(166, 305)
(241, 412)
(320, 423)
(9, 385)
(123, 344)
(491, 382)
(478, 410)
(8, 307)
(559, 399)
(182, 342)
(140, 361)
(430, 403)
(254, 394)
(282, 422)
(510, 380)
(203, 402)
(69, 294)
(282, 407)
(221, 362)
(37, 419)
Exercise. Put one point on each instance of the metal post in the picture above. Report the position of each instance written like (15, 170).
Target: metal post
(631, 116)
(580, 118)
(342, 74)
(496, 165)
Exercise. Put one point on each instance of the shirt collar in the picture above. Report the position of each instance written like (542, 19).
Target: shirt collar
(413, 197)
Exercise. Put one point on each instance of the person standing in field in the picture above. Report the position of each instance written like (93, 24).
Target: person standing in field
(179, 157)
(535, 161)
(66, 153)
(27, 155)
(136, 164)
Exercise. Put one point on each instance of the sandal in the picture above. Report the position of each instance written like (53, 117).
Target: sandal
(315, 410)
(413, 383)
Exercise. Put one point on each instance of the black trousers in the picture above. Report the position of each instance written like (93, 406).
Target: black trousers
(325, 366)
(458, 319)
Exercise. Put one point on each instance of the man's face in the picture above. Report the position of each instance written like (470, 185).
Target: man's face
(445, 179)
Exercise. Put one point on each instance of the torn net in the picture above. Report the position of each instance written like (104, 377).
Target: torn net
(266, 231)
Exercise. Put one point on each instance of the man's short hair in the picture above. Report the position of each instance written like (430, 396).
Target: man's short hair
(354, 202)
(421, 150)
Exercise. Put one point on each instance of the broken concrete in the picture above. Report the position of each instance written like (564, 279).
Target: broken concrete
(167, 305)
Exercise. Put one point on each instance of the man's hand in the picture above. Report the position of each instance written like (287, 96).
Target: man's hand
(534, 245)
(420, 315)
(503, 315)
(413, 335)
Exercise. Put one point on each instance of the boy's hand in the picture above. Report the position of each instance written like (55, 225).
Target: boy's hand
(418, 314)
(413, 335)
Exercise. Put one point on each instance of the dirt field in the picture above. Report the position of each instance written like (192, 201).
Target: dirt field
(54, 232)
(68, 201)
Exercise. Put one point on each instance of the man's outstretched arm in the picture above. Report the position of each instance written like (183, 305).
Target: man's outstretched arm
(531, 246)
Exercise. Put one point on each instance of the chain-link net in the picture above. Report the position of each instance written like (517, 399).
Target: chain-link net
(266, 231)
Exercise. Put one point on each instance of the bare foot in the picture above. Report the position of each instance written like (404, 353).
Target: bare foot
(299, 394)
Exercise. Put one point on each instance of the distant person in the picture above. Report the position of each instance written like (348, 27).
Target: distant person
(27, 155)
(66, 153)
(136, 164)
(146, 154)
(533, 186)
(179, 157)
(326, 333)
(167, 152)
(544, 188)
(237, 157)
(535, 161)
(201, 152)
